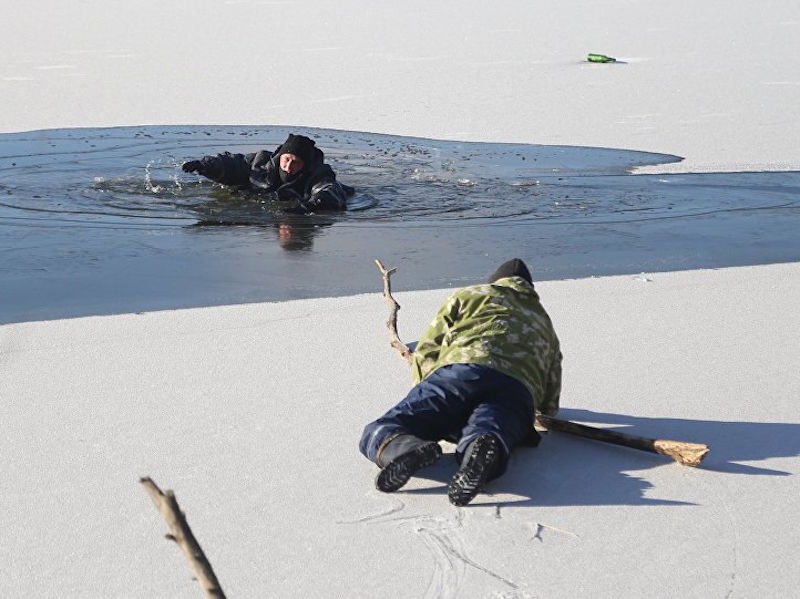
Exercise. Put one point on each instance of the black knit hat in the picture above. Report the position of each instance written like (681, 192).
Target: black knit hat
(513, 268)
(299, 145)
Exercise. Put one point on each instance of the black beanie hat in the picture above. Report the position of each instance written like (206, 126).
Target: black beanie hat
(513, 268)
(299, 145)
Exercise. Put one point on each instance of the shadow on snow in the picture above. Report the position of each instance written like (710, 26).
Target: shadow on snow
(569, 471)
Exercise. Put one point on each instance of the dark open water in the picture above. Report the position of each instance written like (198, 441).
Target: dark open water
(99, 221)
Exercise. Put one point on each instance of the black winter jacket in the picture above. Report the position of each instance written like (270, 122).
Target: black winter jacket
(314, 188)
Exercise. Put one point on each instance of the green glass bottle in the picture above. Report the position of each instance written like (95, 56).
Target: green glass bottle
(600, 58)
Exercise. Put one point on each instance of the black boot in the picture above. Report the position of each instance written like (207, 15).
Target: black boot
(480, 461)
(401, 458)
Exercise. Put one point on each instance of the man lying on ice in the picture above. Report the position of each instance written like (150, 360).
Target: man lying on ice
(486, 363)
(295, 171)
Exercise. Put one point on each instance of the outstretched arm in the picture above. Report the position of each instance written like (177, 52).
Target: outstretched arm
(225, 168)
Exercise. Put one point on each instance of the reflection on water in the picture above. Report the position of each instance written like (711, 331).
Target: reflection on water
(99, 220)
(294, 231)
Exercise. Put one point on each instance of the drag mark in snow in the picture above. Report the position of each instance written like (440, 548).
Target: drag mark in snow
(447, 572)
(515, 594)
(540, 528)
(397, 507)
(449, 558)
(450, 563)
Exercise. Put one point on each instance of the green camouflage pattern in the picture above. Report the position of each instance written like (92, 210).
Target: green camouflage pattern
(500, 325)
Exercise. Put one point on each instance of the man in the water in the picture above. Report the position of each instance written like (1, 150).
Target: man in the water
(295, 171)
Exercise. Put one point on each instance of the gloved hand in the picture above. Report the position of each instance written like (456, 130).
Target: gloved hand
(193, 166)
(325, 200)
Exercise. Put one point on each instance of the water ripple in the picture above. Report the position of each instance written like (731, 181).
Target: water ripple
(134, 173)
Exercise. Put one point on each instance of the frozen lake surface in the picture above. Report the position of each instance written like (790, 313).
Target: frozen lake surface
(98, 221)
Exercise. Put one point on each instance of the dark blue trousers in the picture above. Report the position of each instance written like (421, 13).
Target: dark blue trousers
(457, 402)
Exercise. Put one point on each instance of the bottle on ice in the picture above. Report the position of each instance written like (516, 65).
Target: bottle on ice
(600, 58)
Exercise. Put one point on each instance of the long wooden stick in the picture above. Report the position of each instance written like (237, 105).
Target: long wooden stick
(180, 532)
(689, 454)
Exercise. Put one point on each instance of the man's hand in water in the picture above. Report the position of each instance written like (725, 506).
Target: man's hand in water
(193, 166)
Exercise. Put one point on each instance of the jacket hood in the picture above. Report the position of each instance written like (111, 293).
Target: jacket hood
(516, 283)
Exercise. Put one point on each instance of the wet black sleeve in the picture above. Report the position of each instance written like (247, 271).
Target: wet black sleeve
(327, 195)
(324, 192)
(227, 168)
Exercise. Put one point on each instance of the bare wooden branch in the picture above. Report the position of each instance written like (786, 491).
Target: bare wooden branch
(689, 454)
(180, 532)
(394, 307)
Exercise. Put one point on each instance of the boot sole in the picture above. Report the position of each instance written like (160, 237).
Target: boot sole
(469, 480)
(398, 471)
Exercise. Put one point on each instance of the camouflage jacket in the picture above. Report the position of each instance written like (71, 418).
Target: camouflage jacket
(500, 325)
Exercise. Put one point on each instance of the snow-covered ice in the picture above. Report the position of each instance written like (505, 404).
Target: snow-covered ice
(252, 413)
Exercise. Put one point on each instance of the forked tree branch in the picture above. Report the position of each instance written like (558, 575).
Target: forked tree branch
(394, 307)
(180, 532)
(689, 454)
